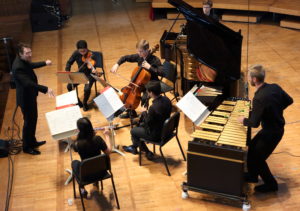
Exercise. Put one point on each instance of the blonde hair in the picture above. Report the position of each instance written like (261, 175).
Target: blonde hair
(208, 2)
(142, 44)
(257, 71)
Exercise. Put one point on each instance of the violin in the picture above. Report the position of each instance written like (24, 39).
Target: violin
(131, 96)
(87, 59)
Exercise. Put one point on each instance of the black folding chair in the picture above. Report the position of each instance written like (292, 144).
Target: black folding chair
(170, 130)
(92, 170)
(168, 79)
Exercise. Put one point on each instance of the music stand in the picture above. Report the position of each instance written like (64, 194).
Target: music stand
(61, 131)
(112, 137)
(109, 104)
(72, 78)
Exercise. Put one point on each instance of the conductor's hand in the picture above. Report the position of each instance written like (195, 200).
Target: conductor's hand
(146, 65)
(50, 93)
(114, 68)
(48, 62)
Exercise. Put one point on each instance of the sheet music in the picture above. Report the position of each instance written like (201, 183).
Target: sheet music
(108, 102)
(193, 108)
(63, 120)
(66, 99)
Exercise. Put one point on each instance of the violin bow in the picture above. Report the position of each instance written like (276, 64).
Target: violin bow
(105, 84)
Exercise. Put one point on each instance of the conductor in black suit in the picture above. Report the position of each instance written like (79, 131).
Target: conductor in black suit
(27, 89)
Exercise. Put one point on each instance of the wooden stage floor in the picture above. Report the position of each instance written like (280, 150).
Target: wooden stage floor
(113, 27)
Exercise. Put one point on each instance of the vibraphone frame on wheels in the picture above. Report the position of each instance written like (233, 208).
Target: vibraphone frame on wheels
(216, 157)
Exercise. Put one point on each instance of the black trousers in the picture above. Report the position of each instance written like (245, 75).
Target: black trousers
(259, 149)
(87, 89)
(30, 116)
(140, 132)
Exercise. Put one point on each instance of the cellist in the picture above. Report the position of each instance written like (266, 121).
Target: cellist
(83, 57)
(143, 58)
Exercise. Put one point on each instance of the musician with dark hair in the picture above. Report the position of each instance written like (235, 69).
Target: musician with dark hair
(88, 144)
(145, 59)
(153, 120)
(268, 104)
(207, 9)
(82, 56)
(27, 88)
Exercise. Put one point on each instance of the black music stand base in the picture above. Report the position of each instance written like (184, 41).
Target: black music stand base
(112, 132)
(68, 148)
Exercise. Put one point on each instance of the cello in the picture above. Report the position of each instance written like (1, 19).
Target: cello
(131, 96)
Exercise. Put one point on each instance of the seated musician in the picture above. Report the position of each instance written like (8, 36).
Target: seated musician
(143, 58)
(207, 9)
(152, 120)
(268, 104)
(81, 57)
(88, 144)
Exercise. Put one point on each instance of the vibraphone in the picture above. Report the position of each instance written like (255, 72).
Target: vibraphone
(216, 156)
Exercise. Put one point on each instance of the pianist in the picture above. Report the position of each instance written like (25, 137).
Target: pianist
(268, 104)
(207, 9)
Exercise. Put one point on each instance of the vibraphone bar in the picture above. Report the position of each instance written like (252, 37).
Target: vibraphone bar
(222, 127)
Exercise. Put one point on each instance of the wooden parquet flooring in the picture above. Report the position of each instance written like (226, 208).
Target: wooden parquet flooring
(113, 27)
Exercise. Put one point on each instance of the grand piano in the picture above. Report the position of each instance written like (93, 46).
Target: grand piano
(210, 53)
(207, 51)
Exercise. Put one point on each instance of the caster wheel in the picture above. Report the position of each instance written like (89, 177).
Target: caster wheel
(184, 195)
(246, 206)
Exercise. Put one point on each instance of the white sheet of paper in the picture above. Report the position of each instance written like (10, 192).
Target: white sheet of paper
(108, 102)
(63, 120)
(66, 99)
(192, 107)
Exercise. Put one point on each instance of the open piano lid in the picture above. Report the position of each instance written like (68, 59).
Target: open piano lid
(211, 42)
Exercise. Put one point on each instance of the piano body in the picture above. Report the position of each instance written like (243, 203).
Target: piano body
(209, 53)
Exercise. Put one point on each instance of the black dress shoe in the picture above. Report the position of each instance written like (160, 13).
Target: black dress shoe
(149, 155)
(85, 107)
(130, 149)
(84, 193)
(39, 143)
(265, 188)
(250, 179)
(127, 115)
(31, 151)
(79, 104)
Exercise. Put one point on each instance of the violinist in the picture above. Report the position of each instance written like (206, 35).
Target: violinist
(145, 59)
(84, 59)
(153, 120)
